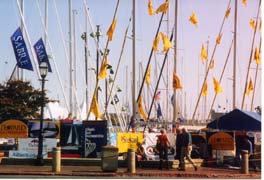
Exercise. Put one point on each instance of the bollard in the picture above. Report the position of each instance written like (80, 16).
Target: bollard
(56, 159)
(131, 161)
(245, 162)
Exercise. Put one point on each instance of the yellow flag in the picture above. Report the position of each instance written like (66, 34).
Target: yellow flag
(156, 43)
(252, 23)
(176, 82)
(227, 12)
(211, 66)
(148, 75)
(257, 56)
(205, 89)
(141, 110)
(193, 19)
(260, 24)
(166, 42)
(94, 107)
(150, 8)
(203, 53)
(217, 86)
(163, 7)
(244, 2)
(103, 71)
(250, 87)
(218, 39)
(111, 30)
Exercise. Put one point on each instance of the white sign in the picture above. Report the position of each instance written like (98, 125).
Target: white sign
(28, 148)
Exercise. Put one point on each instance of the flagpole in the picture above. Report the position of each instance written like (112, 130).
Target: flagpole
(250, 58)
(175, 58)
(255, 80)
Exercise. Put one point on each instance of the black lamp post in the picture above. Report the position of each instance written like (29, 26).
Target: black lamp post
(43, 69)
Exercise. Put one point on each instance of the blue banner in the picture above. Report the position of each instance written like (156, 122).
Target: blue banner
(41, 53)
(20, 50)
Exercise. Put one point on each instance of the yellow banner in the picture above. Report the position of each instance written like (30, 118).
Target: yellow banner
(128, 140)
(221, 141)
(13, 129)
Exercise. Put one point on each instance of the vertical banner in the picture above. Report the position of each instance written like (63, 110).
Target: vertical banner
(41, 53)
(20, 50)
(95, 136)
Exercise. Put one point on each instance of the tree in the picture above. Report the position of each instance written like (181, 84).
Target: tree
(19, 100)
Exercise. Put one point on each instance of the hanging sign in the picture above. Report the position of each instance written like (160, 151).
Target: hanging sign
(13, 129)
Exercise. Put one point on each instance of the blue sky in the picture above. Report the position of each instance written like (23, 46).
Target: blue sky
(190, 68)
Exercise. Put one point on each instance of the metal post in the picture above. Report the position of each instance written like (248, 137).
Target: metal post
(97, 59)
(40, 161)
(56, 159)
(131, 167)
(244, 164)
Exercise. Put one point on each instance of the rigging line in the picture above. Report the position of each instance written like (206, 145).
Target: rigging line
(157, 85)
(53, 57)
(151, 52)
(119, 61)
(251, 54)
(29, 41)
(223, 71)
(208, 68)
(105, 51)
(256, 75)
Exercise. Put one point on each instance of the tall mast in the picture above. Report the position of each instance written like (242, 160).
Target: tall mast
(70, 54)
(234, 63)
(134, 60)
(20, 72)
(86, 62)
(46, 22)
(74, 12)
(175, 58)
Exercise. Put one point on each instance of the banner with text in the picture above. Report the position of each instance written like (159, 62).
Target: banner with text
(128, 140)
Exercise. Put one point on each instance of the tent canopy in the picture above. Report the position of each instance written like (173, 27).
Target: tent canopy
(237, 120)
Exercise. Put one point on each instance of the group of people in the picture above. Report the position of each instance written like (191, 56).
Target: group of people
(183, 148)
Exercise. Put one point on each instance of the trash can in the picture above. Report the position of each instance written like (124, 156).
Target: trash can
(109, 158)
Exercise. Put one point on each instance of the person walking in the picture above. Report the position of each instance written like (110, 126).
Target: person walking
(178, 145)
(163, 145)
(186, 149)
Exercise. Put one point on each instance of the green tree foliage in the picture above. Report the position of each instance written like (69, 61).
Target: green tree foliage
(19, 100)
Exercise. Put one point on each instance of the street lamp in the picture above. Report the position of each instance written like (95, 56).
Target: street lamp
(43, 69)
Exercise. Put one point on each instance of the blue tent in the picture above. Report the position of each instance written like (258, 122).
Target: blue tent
(237, 120)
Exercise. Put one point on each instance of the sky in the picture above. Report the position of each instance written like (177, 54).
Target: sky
(190, 68)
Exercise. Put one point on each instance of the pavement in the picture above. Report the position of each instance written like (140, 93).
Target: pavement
(96, 171)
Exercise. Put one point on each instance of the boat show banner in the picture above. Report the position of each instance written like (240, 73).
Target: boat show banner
(13, 129)
(128, 140)
(50, 129)
(95, 136)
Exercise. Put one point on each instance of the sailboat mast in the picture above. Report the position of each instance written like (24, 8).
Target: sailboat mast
(70, 54)
(134, 59)
(46, 22)
(175, 58)
(234, 63)
(74, 12)
(20, 72)
(86, 62)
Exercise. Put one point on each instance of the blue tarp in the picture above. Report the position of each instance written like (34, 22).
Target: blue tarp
(237, 120)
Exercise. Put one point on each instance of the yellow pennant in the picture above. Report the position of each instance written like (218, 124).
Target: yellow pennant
(227, 12)
(260, 24)
(250, 87)
(156, 43)
(176, 82)
(103, 71)
(205, 89)
(217, 87)
(94, 107)
(257, 56)
(252, 23)
(163, 7)
(203, 54)
(244, 2)
(218, 39)
(148, 75)
(141, 110)
(111, 30)
(193, 19)
(151, 11)
(211, 66)
(166, 42)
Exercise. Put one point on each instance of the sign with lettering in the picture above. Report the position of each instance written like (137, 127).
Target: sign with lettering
(222, 141)
(13, 129)
(95, 136)
(20, 50)
(128, 140)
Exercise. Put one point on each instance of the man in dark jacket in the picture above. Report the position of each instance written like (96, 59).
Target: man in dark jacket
(178, 145)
